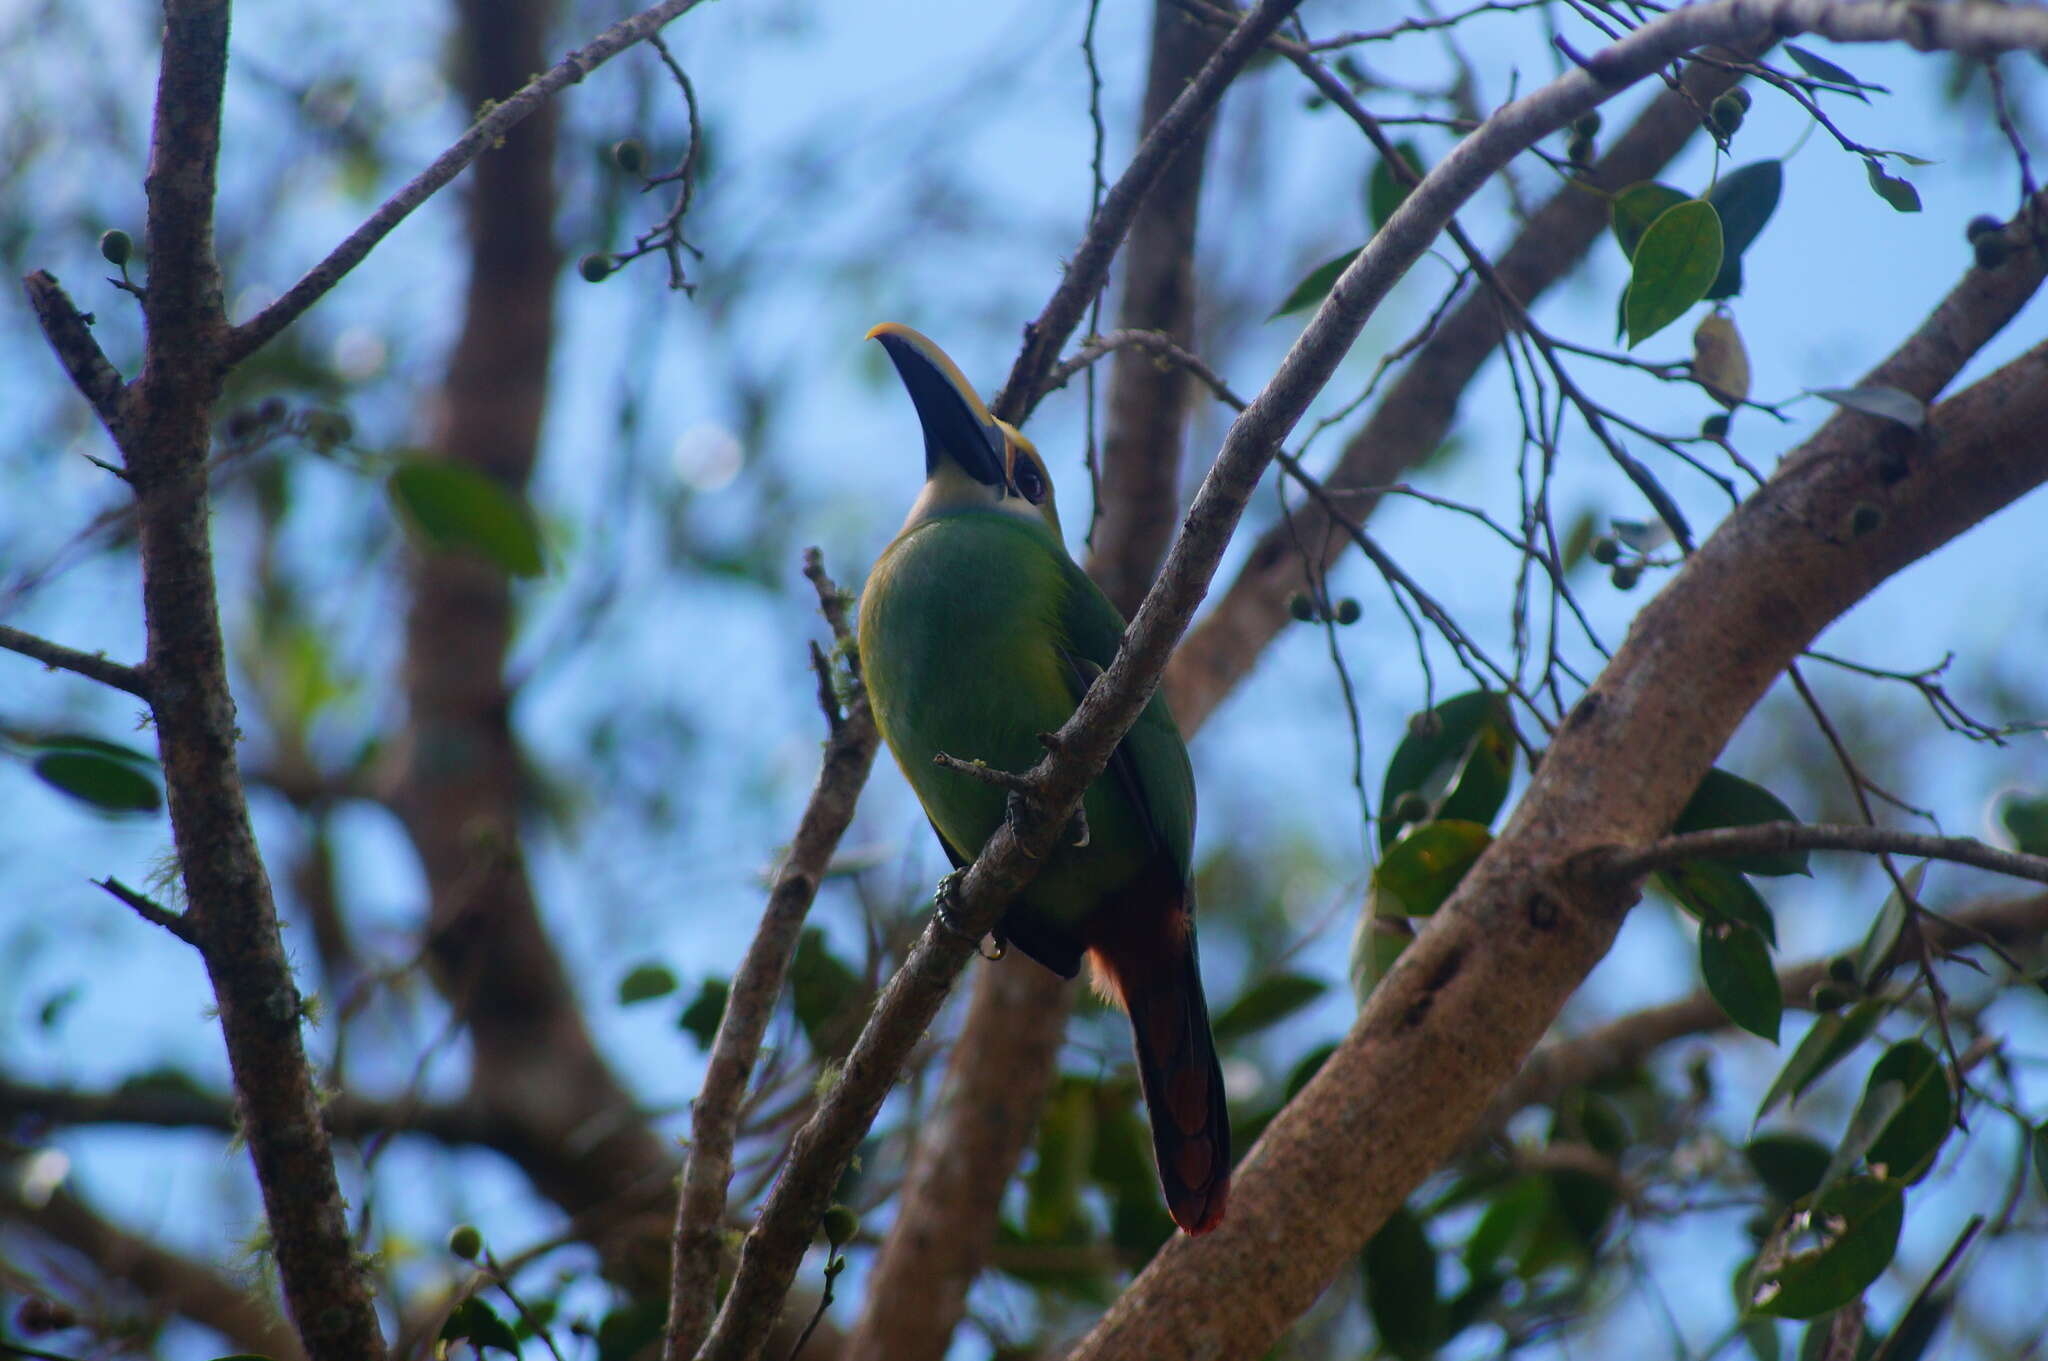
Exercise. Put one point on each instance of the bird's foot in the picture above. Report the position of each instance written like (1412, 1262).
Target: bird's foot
(947, 897)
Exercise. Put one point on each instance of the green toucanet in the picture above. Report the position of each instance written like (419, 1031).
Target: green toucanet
(977, 633)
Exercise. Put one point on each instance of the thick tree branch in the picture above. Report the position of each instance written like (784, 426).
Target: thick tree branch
(823, 1148)
(500, 118)
(1088, 268)
(165, 432)
(91, 665)
(1719, 843)
(1472, 995)
(699, 1241)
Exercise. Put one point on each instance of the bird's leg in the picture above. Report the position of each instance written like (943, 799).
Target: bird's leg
(944, 899)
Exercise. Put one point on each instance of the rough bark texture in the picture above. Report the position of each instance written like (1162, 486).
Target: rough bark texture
(1474, 993)
(165, 428)
(1003, 1061)
(460, 790)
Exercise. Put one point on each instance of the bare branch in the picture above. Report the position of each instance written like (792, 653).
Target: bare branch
(91, 665)
(1623, 1044)
(70, 334)
(1764, 838)
(151, 911)
(164, 432)
(500, 118)
(699, 1238)
(1088, 267)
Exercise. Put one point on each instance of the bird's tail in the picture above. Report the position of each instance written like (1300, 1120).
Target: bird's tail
(1150, 964)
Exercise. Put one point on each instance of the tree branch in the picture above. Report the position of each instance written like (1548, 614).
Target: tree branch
(488, 130)
(1416, 411)
(699, 1239)
(70, 335)
(164, 433)
(1576, 1061)
(1472, 995)
(91, 665)
(1720, 843)
(1088, 268)
(822, 1149)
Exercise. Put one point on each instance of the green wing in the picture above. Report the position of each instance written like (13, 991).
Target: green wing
(1151, 763)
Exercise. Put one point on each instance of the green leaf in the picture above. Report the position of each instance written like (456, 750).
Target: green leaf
(1424, 867)
(103, 782)
(2025, 820)
(1676, 262)
(1736, 965)
(1881, 1101)
(1884, 931)
(1266, 1002)
(1891, 403)
(474, 1321)
(1725, 800)
(1313, 289)
(1509, 1224)
(1820, 68)
(1716, 894)
(458, 508)
(1401, 1291)
(1457, 758)
(1900, 194)
(1745, 198)
(645, 982)
(1637, 206)
(1790, 1166)
(1382, 933)
(1385, 193)
(822, 989)
(78, 741)
(705, 1011)
(1832, 1038)
(1820, 1259)
(1909, 1141)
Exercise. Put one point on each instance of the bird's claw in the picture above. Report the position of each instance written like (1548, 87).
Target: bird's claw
(946, 897)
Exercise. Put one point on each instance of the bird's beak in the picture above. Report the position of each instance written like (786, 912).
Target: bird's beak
(957, 427)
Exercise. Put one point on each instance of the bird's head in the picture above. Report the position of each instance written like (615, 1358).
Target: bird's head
(971, 459)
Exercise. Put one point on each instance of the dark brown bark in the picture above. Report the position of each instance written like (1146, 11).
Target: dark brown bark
(164, 425)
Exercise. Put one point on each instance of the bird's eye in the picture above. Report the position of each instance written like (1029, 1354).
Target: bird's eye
(1030, 485)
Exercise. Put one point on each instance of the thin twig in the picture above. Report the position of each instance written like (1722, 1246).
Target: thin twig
(91, 665)
(150, 910)
(244, 340)
(1765, 838)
